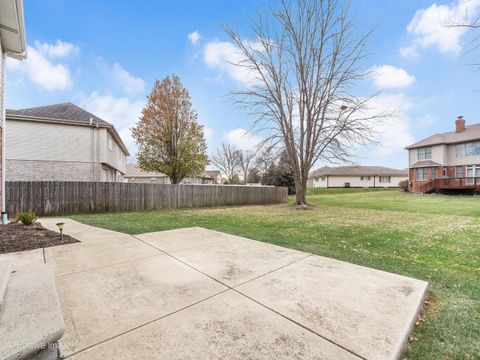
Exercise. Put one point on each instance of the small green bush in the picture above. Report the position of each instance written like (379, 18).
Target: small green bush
(403, 185)
(26, 217)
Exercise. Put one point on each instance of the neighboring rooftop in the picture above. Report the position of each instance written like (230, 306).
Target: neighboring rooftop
(463, 133)
(61, 112)
(134, 171)
(212, 173)
(358, 171)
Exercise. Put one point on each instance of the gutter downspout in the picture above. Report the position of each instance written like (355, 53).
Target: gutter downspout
(92, 140)
(4, 128)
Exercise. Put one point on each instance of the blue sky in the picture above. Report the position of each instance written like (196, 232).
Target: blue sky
(105, 56)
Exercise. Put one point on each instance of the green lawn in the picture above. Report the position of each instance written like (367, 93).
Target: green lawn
(434, 238)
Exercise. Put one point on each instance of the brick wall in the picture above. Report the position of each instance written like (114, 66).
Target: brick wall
(34, 170)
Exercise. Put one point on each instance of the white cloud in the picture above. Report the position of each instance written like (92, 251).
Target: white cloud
(410, 52)
(242, 139)
(222, 55)
(42, 72)
(59, 49)
(40, 67)
(429, 27)
(392, 133)
(194, 37)
(129, 83)
(391, 77)
(123, 113)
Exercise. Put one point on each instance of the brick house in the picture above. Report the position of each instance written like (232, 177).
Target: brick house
(62, 142)
(356, 176)
(446, 162)
(12, 45)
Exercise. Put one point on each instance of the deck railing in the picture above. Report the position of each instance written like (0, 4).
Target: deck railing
(457, 183)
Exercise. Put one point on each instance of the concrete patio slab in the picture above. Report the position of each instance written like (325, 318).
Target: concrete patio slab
(83, 256)
(22, 258)
(105, 302)
(368, 311)
(227, 326)
(82, 232)
(237, 259)
(179, 239)
(5, 272)
(160, 295)
(30, 317)
(71, 226)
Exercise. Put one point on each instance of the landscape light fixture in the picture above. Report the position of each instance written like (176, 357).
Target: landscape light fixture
(60, 226)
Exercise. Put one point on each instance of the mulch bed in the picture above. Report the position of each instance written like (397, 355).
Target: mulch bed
(18, 237)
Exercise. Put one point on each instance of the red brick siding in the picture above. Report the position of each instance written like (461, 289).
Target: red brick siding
(415, 185)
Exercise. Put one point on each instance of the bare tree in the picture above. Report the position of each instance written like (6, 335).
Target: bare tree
(227, 159)
(266, 160)
(247, 159)
(304, 64)
(471, 24)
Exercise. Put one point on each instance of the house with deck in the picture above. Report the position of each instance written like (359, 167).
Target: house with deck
(356, 176)
(447, 162)
(62, 142)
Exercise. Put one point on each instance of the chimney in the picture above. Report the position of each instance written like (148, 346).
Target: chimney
(460, 124)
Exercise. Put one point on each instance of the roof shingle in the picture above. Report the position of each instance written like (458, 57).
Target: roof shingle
(471, 132)
(64, 112)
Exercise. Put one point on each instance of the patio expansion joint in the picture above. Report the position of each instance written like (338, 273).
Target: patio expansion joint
(146, 323)
(233, 288)
(106, 266)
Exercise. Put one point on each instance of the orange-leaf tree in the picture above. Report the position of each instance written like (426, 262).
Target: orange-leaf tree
(168, 137)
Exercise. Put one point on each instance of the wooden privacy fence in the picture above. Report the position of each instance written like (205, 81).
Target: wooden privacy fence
(68, 197)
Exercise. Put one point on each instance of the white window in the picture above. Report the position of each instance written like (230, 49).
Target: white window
(459, 150)
(424, 153)
(152, 179)
(365, 178)
(434, 173)
(421, 174)
(472, 148)
(110, 142)
(385, 179)
(459, 171)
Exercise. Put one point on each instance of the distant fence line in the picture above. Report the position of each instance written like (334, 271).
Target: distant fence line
(66, 197)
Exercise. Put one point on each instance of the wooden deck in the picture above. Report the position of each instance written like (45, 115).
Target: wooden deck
(464, 183)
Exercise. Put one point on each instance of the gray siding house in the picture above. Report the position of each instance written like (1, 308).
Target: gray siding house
(62, 142)
(13, 45)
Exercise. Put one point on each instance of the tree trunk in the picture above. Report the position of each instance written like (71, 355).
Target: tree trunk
(300, 193)
(300, 189)
(299, 196)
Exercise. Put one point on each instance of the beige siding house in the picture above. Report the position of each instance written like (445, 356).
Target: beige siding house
(62, 142)
(136, 175)
(13, 45)
(446, 161)
(356, 176)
